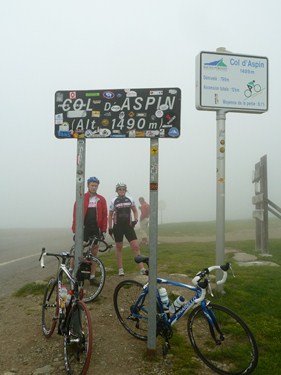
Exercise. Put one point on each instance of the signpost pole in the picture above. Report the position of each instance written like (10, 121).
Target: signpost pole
(80, 184)
(153, 240)
(220, 208)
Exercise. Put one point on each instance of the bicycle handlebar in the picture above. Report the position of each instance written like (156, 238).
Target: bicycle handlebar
(44, 253)
(201, 280)
(95, 239)
(202, 274)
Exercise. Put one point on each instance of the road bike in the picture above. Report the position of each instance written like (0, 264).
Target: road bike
(67, 309)
(92, 287)
(220, 338)
(255, 88)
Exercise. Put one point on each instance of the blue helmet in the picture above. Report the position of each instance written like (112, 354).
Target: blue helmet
(93, 179)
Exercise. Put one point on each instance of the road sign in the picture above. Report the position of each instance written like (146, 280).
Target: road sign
(124, 113)
(234, 83)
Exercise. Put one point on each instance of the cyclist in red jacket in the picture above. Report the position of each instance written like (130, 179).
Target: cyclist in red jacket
(95, 217)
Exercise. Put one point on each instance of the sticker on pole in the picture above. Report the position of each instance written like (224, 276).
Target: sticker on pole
(235, 83)
(124, 113)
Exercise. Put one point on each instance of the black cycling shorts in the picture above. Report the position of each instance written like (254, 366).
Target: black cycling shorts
(120, 231)
(90, 233)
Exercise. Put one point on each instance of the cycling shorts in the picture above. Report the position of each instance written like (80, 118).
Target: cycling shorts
(90, 233)
(120, 231)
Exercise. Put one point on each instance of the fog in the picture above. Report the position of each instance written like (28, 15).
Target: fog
(68, 45)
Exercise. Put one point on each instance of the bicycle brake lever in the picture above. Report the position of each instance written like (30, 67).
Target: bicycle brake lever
(231, 269)
(210, 289)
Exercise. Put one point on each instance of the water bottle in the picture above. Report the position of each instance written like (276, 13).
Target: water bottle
(177, 304)
(63, 295)
(164, 298)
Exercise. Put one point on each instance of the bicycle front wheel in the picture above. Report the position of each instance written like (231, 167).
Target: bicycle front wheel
(133, 315)
(78, 340)
(50, 308)
(231, 349)
(93, 287)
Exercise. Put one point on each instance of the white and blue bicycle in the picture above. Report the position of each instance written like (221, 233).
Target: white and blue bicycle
(221, 339)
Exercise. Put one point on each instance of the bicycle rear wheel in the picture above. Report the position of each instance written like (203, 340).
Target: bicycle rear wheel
(78, 340)
(132, 315)
(233, 351)
(92, 288)
(50, 308)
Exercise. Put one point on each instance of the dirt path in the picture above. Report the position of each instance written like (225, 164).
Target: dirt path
(26, 352)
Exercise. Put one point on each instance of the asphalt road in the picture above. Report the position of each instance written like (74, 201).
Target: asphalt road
(19, 253)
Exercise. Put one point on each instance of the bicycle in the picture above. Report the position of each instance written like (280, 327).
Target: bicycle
(71, 314)
(92, 287)
(256, 87)
(220, 338)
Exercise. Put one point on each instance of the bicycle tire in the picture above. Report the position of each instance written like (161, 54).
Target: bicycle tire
(78, 339)
(92, 289)
(50, 308)
(236, 353)
(247, 93)
(257, 88)
(133, 318)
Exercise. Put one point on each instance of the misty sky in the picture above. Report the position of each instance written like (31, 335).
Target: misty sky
(78, 45)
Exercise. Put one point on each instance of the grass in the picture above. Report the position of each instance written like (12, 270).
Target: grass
(254, 294)
(31, 289)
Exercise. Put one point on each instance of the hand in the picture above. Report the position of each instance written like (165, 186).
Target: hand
(110, 231)
(134, 223)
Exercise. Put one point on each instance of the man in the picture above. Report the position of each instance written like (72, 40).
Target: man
(95, 217)
(144, 219)
(120, 224)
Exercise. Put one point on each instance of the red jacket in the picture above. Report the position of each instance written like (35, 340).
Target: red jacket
(101, 212)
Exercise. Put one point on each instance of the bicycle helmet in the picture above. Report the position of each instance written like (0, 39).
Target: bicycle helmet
(93, 179)
(121, 185)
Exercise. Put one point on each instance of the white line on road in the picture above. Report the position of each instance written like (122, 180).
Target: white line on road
(18, 259)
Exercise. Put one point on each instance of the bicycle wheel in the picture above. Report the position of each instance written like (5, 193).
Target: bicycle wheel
(78, 340)
(133, 317)
(233, 351)
(92, 288)
(50, 308)
(247, 93)
(257, 88)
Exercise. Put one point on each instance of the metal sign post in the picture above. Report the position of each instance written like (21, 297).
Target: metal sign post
(80, 183)
(123, 113)
(220, 208)
(226, 82)
(153, 241)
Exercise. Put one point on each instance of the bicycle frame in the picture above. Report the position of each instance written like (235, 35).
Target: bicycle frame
(171, 320)
(74, 286)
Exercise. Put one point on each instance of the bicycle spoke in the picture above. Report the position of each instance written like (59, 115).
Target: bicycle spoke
(92, 288)
(78, 340)
(50, 308)
(231, 351)
(133, 318)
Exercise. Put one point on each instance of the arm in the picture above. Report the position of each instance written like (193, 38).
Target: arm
(110, 215)
(74, 219)
(135, 212)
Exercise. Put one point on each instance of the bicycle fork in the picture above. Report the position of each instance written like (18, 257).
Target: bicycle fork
(213, 325)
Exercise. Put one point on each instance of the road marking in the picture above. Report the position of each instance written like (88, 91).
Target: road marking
(18, 259)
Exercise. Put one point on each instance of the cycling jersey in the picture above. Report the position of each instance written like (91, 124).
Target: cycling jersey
(121, 208)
